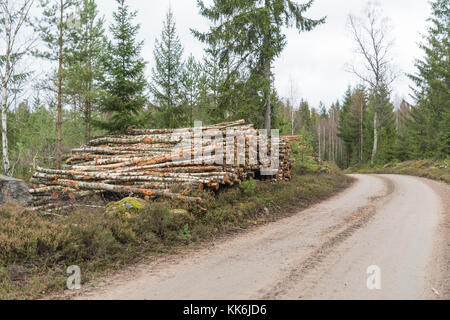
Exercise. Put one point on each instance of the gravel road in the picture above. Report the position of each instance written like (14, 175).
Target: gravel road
(399, 225)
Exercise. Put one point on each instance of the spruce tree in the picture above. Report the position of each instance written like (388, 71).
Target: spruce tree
(351, 128)
(167, 74)
(403, 142)
(305, 116)
(429, 125)
(215, 75)
(124, 84)
(191, 81)
(344, 128)
(253, 31)
(386, 133)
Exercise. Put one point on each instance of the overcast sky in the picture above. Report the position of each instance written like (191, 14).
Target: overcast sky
(314, 61)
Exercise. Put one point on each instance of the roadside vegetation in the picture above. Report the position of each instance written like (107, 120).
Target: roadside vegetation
(432, 169)
(36, 249)
(88, 90)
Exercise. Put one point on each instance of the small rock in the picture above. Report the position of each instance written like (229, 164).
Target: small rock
(128, 206)
(179, 211)
(15, 190)
(183, 214)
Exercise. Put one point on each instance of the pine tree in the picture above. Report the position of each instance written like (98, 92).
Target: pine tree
(167, 74)
(124, 84)
(53, 29)
(83, 70)
(253, 31)
(430, 119)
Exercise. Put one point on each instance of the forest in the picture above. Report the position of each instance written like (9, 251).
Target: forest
(94, 81)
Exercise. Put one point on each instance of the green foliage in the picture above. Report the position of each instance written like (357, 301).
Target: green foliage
(32, 136)
(254, 27)
(48, 27)
(304, 112)
(35, 250)
(386, 126)
(168, 74)
(251, 31)
(303, 152)
(352, 125)
(124, 80)
(192, 83)
(356, 127)
(185, 233)
(429, 123)
(215, 77)
(432, 169)
(82, 72)
(248, 187)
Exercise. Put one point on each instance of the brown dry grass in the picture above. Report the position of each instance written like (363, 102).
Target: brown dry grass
(35, 250)
(438, 170)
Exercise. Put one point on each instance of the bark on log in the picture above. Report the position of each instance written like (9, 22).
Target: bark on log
(150, 163)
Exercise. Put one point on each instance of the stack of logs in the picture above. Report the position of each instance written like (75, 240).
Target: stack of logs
(151, 164)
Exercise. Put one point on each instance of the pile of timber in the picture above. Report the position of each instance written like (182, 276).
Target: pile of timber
(150, 163)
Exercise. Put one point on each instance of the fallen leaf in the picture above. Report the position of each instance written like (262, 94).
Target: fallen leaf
(435, 291)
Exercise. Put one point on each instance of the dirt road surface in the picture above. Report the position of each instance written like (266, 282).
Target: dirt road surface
(398, 224)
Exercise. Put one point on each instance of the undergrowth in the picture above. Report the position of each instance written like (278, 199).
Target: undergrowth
(433, 169)
(36, 250)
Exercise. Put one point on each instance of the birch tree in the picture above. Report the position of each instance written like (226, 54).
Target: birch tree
(374, 47)
(14, 47)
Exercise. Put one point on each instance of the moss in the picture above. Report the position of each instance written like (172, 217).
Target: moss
(126, 208)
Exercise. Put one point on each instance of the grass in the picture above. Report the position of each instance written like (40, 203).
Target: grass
(438, 170)
(36, 250)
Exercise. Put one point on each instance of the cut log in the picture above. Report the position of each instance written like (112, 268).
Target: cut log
(151, 162)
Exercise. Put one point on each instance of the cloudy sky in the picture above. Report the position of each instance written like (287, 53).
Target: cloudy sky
(314, 62)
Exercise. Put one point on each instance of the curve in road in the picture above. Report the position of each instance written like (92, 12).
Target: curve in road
(395, 227)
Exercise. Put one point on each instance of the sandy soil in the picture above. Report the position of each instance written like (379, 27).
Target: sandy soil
(398, 223)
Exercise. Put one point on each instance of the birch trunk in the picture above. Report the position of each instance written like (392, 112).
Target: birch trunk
(361, 134)
(6, 164)
(268, 116)
(5, 80)
(375, 138)
(320, 141)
